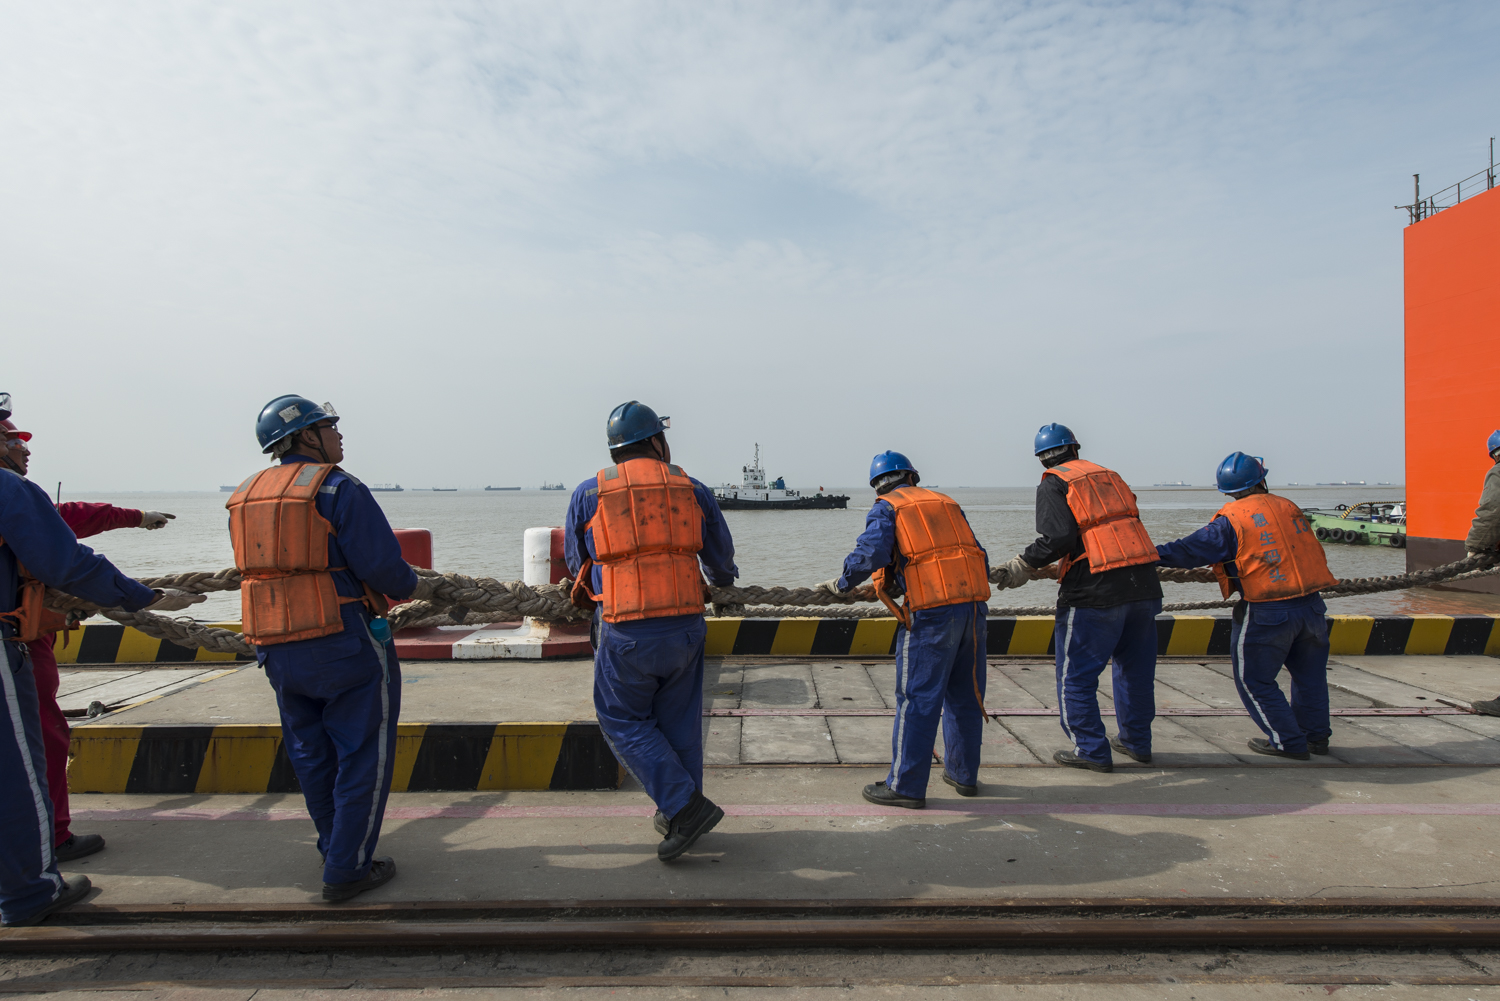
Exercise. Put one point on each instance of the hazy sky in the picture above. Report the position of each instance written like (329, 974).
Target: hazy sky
(832, 228)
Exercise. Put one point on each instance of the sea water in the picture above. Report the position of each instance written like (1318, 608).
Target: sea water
(478, 533)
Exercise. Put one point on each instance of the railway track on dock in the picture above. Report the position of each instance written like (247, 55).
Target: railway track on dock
(547, 945)
(753, 924)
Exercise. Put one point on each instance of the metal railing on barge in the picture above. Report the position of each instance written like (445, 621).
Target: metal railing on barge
(1421, 208)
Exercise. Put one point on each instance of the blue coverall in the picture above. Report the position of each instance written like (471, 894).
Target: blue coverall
(1266, 635)
(35, 535)
(940, 669)
(648, 674)
(340, 695)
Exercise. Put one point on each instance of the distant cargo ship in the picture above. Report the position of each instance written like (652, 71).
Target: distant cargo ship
(502, 488)
(229, 490)
(386, 488)
(755, 494)
(553, 486)
(445, 490)
(1178, 483)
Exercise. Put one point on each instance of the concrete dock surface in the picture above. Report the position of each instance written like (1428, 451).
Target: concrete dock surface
(1404, 809)
(1403, 804)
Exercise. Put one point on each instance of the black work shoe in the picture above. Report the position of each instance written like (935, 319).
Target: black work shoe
(1261, 745)
(661, 823)
(691, 823)
(1490, 708)
(882, 795)
(75, 888)
(1317, 746)
(77, 846)
(1072, 760)
(1119, 745)
(382, 871)
(963, 790)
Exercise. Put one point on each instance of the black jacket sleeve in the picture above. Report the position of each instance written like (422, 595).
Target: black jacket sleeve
(1056, 528)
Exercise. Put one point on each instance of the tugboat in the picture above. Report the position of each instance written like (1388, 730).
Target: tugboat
(553, 486)
(1369, 523)
(755, 494)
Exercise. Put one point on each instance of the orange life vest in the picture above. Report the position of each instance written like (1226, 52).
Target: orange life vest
(281, 548)
(1108, 519)
(944, 563)
(647, 533)
(1279, 556)
(29, 619)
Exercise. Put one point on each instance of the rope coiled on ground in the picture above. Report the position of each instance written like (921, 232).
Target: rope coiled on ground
(450, 598)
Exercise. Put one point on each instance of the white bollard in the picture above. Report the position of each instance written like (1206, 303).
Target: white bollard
(536, 557)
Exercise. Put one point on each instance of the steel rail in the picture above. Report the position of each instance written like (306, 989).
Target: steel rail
(1169, 711)
(754, 933)
(741, 924)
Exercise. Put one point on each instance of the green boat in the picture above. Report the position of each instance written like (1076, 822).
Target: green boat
(1371, 523)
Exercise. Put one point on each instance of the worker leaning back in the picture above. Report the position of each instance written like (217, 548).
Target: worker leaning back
(637, 533)
(317, 554)
(918, 543)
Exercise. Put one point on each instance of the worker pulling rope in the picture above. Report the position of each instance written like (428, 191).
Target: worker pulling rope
(450, 598)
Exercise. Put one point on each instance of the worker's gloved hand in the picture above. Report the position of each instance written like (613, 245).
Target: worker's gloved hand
(172, 600)
(1017, 572)
(155, 519)
(829, 587)
(422, 591)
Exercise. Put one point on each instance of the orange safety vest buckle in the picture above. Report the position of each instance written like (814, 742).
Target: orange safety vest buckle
(281, 549)
(1108, 518)
(1279, 556)
(944, 562)
(647, 531)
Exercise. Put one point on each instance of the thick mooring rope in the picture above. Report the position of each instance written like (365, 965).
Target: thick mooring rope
(450, 598)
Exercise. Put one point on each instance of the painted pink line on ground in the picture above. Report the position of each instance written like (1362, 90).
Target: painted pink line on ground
(599, 812)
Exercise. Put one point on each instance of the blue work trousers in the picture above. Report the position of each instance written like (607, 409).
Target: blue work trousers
(940, 674)
(648, 694)
(1085, 639)
(1264, 638)
(338, 720)
(29, 880)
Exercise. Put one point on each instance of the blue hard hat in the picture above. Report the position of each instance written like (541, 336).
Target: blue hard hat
(891, 462)
(1240, 472)
(1490, 446)
(1051, 436)
(287, 415)
(632, 422)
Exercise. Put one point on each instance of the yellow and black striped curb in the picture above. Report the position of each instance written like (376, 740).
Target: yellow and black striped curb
(1032, 636)
(111, 643)
(1024, 636)
(430, 757)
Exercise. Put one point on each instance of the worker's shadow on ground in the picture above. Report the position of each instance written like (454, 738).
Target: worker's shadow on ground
(856, 857)
(744, 857)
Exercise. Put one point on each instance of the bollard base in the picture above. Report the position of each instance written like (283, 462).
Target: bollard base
(525, 640)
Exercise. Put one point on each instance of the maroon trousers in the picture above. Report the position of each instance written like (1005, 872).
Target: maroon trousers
(54, 733)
